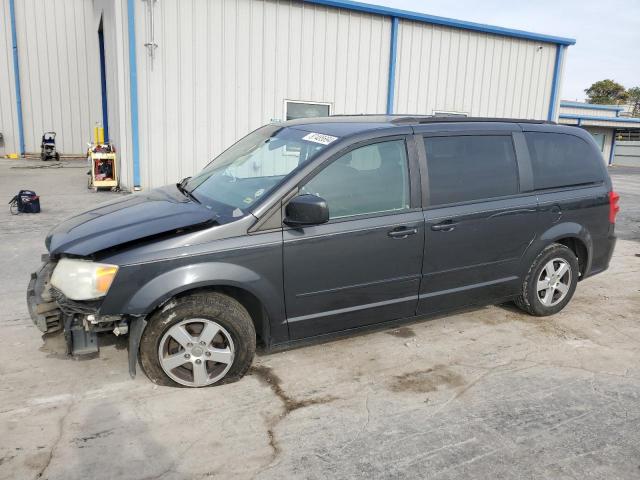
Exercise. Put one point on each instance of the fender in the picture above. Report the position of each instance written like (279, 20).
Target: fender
(189, 277)
(557, 232)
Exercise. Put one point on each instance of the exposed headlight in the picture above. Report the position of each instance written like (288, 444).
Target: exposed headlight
(83, 279)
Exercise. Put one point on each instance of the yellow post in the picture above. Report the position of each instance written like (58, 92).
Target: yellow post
(98, 135)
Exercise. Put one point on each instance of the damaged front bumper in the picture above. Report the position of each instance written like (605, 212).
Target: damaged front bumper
(51, 311)
(80, 321)
(43, 308)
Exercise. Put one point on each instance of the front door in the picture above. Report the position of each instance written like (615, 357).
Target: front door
(478, 224)
(364, 265)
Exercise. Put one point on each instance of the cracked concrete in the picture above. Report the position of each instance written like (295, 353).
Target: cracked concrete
(488, 393)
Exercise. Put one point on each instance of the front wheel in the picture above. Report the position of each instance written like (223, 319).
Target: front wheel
(550, 282)
(198, 340)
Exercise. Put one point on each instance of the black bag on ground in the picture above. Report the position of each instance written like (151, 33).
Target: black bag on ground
(26, 201)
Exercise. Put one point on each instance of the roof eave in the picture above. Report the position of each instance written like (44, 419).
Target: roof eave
(626, 120)
(590, 106)
(449, 22)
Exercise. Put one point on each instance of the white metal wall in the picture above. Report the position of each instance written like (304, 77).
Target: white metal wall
(223, 68)
(59, 71)
(114, 25)
(481, 74)
(8, 112)
(587, 111)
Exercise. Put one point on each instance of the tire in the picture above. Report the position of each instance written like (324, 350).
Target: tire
(538, 302)
(163, 341)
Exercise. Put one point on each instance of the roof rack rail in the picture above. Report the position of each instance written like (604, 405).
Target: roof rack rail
(449, 118)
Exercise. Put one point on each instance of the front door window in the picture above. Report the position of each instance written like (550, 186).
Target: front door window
(368, 180)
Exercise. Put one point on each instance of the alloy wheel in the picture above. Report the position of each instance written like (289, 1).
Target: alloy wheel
(196, 352)
(554, 282)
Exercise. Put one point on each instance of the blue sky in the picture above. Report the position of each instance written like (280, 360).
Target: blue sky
(607, 32)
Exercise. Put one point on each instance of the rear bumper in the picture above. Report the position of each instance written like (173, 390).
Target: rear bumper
(602, 252)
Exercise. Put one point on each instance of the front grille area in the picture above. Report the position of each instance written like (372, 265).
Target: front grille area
(74, 307)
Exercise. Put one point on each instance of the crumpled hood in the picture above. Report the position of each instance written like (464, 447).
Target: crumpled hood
(129, 218)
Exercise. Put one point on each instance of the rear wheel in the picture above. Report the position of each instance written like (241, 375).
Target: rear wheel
(550, 282)
(198, 340)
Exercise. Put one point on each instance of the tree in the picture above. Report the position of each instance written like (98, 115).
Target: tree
(606, 92)
(633, 97)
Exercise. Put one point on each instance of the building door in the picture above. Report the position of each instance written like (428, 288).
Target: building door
(599, 138)
(103, 82)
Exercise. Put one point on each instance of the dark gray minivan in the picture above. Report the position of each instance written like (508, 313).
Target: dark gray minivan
(317, 227)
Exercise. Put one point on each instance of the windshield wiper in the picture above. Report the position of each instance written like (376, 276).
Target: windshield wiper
(186, 192)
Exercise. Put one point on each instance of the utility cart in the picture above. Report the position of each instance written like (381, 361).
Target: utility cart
(104, 167)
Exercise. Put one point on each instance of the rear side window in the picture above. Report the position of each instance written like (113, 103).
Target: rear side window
(467, 168)
(561, 160)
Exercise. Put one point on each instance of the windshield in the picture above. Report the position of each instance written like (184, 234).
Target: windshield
(255, 165)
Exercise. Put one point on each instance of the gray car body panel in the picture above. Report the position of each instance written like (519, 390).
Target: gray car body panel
(347, 275)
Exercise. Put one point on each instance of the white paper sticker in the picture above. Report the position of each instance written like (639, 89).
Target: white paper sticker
(319, 138)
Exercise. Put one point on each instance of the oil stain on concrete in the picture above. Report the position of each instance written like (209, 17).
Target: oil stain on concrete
(429, 380)
(403, 332)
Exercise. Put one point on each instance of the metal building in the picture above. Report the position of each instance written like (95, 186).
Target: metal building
(180, 81)
(607, 124)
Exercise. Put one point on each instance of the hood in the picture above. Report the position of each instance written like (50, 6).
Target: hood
(129, 218)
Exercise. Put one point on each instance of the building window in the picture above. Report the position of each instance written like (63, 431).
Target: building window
(295, 109)
(628, 135)
(445, 113)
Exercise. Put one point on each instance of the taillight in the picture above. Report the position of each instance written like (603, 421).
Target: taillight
(614, 208)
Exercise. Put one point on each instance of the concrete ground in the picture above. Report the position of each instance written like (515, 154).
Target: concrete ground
(490, 393)
(626, 181)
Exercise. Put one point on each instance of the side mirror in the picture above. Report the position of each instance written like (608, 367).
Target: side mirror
(306, 210)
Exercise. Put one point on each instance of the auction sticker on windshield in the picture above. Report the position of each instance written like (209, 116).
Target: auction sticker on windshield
(319, 138)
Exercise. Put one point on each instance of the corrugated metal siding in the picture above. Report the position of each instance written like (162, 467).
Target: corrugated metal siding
(598, 123)
(59, 72)
(568, 121)
(448, 69)
(8, 115)
(587, 111)
(224, 68)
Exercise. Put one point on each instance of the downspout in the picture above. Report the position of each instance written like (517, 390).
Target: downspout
(133, 92)
(556, 82)
(613, 148)
(393, 54)
(16, 74)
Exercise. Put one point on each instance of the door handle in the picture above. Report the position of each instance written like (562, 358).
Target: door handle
(402, 232)
(444, 226)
